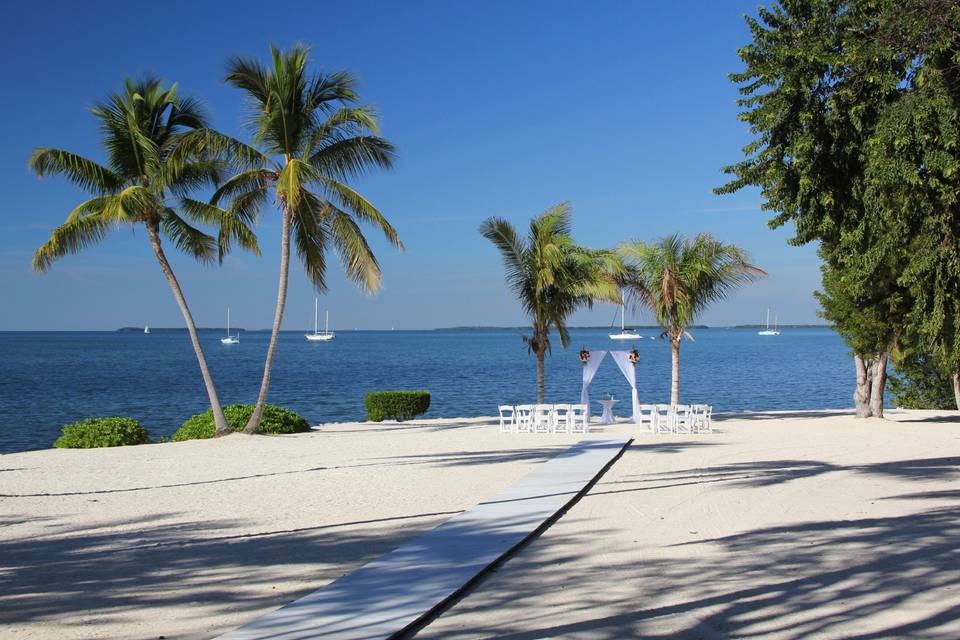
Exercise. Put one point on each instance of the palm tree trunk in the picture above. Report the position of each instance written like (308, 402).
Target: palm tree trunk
(675, 375)
(219, 420)
(253, 426)
(878, 383)
(861, 395)
(541, 386)
(956, 389)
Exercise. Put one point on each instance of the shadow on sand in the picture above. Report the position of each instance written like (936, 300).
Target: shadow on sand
(823, 579)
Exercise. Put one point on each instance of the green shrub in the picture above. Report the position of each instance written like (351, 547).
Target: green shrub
(275, 420)
(399, 405)
(922, 382)
(102, 432)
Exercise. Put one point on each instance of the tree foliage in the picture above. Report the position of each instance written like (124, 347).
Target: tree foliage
(678, 278)
(153, 163)
(855, 107)
(551, 276)
(310, 137)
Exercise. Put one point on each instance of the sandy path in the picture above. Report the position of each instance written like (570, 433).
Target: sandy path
(187, 540)
(779, 527)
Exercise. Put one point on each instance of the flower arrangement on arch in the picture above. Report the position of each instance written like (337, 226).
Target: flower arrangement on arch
(634, 356)
(584, 355)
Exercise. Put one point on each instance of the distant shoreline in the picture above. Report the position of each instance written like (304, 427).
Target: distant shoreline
(478, 329)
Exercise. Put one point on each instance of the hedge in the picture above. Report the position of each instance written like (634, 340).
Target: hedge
(398, 405)
(275, 420)
(102, 432)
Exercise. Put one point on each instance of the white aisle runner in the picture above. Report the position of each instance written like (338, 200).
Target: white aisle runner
(404, 586)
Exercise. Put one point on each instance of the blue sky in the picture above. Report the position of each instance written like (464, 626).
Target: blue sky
(497, 108)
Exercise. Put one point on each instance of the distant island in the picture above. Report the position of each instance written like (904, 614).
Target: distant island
(649, 327)
(176, 329)
(784, 326)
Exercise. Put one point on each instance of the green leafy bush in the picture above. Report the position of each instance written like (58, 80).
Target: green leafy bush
(922, 382)
(399, 405)
(102, 432)
(275, 420)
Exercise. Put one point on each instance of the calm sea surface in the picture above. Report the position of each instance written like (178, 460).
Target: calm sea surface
(49, 379)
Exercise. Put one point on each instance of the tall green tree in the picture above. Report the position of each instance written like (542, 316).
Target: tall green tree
(310, 137)
(678, 278)
(153, 164)
(817, 83)
(913, 171)
(854, 108)
(552, 276)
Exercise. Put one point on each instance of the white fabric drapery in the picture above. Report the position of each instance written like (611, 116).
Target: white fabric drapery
(622, 358)
(590, 370)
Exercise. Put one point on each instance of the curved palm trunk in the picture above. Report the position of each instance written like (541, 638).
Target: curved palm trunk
(219, 420)
(675, 375)
(541, 381)
(253, 426)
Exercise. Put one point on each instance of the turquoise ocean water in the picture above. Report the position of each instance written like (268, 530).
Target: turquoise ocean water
(48, 379)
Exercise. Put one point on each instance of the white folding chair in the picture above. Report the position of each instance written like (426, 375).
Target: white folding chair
(647, 418)
(508, 418)
(665, 418)
(702, 414)
(524, 418)
(561, 418)
(683, 418)
(579, 417)
(543, 418)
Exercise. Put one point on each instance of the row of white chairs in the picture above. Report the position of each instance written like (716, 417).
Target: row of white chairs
(544, 418)
(676, 418)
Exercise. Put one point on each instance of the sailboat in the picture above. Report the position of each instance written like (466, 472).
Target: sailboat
(624, 333)
(319, 336)
(768, 331)
(229, 339)
(146, 328)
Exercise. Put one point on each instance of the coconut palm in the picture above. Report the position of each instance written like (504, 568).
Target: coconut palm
(552, 277)
(151, 167)
(312, 137)
(677, 278)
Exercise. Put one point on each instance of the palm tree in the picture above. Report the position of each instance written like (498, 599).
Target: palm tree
(151, 169)
(312, 137)
(552, 276)
(677, 278)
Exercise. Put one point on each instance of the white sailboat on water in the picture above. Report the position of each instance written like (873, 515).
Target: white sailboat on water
(769, 331)
(317, 335)
(624, 333)
(229, 339)
(146, 328)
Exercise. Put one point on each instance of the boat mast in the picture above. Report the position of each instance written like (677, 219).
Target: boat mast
(326, 328)
(623, 313)
(228, 322)
(316, 310)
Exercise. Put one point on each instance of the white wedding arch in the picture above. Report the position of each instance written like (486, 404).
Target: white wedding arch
(629, 370)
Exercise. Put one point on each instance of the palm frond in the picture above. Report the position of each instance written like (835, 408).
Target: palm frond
(84, 173)
(353, 156)
(188, 239)
(252, 180)
(232, 226)
(363, 210)
(311, 237)
(515, 257)
(71, 237)
(356, 256)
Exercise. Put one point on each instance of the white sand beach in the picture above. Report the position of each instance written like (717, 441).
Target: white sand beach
(784, 525)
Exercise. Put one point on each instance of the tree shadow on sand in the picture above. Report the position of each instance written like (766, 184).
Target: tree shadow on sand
(862, 578)
(104, 572)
